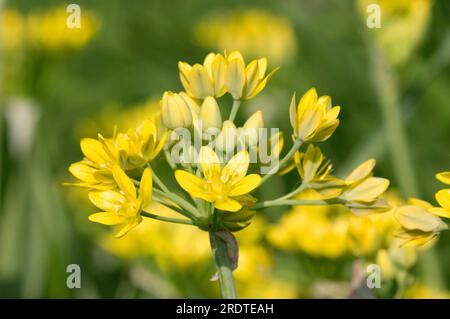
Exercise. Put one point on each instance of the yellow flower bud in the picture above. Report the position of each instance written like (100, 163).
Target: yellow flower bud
(210, 114)
(251, 128)
(201, 81)
(177, 109)
(227, 139)
(314, 119)
(245, 82)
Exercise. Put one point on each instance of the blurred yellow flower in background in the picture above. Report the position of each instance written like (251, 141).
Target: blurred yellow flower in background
(403, 25)
(254, 32)
(47, 30)
(12, 29)
(423, 291)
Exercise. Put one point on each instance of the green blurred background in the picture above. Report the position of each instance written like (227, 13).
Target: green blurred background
(392, 83)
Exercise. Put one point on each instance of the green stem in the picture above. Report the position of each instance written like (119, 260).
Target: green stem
(387, 91)
(222, 260)
(158, 181)
(169, 159)
(296, 191)
(297, 202)
(298, 143)
(234, 110)
(168, 219)
(178, 200)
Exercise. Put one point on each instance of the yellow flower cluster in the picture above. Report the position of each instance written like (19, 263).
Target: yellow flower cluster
(45, 30)
(254, 32)
(333, 232)
(420, 221)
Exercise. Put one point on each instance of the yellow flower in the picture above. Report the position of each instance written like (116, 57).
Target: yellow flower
(178, 110)
(254, 32)
(363, 191)
(11, 29)
(139, 145)
(220, 186)
(201, 81)
(48, 30)
(210, 114)
(245, 82)
(123, 207)
(420, 223)
(314, 172)
(443, 196)
(314, 119)
(403, 26)
(94, 171)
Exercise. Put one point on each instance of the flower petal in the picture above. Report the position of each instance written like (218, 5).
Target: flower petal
(236, 168)
(94, 151)
(145, 188)
(444, 177)
(416, 218)
(245, 185)
(106, 218)
(124, 182)
(368, 190)
(228, 204)
(110, 201)
(361, 172)
(443, 198)
(209, 163)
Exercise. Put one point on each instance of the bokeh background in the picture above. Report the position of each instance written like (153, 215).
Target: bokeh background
(58, 85)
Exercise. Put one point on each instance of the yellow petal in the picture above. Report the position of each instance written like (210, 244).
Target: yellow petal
(129, 226)
(367, 190)
(107, 218)
(261, 85)
(200, 82)
(308, 99)
(124, 182)
(236, 168)
(444, 177)
(308, 122)
(443, 198)
(194, 185)
(110, 201)
(361, 172)
(219, 67)
(145, 188)
(245, 185)
(252, 77)
(416, 218)
(293, 114)
(441, 212)
(94, 151)
(209, 163)
(419, 202)
(83, 172)
(311, 162)
(235, 78)
(227, 204)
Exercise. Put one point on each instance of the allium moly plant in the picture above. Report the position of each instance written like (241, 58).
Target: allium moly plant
(219, 163)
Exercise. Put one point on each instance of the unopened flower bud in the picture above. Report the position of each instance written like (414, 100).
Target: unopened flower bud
(210, 114)
(177, 109)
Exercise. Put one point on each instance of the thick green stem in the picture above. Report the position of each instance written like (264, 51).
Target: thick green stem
(223, 264)
(298, 143)
(234, 110)
(168, 219)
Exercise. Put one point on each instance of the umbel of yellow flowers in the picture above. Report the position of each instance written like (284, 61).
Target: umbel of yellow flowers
(218, 188)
